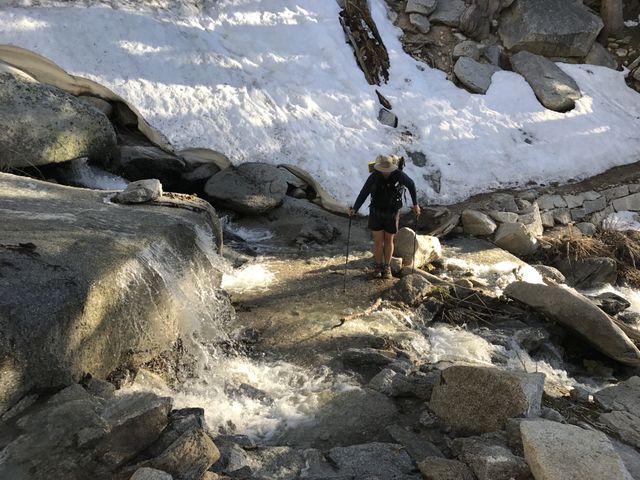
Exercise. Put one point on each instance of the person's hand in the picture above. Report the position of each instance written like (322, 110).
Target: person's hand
(351, 212)
(416, 210)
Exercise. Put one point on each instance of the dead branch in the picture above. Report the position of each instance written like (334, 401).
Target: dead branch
(363, 313)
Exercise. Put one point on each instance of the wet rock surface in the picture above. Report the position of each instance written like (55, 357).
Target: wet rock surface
(104, 305)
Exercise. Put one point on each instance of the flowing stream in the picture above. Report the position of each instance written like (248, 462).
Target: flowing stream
(263, 397)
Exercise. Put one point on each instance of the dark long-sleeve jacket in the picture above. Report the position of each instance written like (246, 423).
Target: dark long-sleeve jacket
(386, 193)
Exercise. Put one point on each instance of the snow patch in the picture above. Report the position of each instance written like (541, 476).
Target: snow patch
(622, 221)
(273, 81)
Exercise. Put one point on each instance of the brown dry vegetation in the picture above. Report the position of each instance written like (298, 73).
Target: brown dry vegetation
(623, 247)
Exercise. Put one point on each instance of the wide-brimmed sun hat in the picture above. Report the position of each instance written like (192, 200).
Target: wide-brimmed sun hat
(386, 163)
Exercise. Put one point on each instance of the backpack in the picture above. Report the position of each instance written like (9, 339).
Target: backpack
(387, 197)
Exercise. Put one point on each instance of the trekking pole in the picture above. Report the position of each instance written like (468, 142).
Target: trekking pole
(415, 238)
(344, 286)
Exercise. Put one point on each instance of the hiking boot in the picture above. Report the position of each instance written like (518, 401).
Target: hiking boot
(386, 271)
(377, 271)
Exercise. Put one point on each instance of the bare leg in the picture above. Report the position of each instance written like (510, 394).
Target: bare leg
(388, 247)
(378, 238)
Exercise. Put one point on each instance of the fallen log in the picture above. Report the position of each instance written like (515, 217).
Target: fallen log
(362, 34)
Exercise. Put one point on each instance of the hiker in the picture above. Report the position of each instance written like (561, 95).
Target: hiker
(385, 185)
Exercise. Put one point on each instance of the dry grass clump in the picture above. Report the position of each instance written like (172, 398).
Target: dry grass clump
(622, 246)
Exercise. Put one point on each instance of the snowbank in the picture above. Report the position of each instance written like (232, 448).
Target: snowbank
(274, 81)
(622, 221)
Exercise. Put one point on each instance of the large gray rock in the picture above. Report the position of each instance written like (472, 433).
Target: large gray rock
(75, 435)
(555, 89)
(200, 165)
(83, 283)
(388, 118)
(421, 22)
(503, 202)
(467, 48)
(146, 473)
(624, 401)
(490, 458)
(631, 203)
(532, 220)
(575, 311)
(475, 76)
(417, 444)
(448, 12)
(351, 417)
(139, 162)
(97, 103)
(251, 188)
(136, 421)
(42, 124)
(481, 399)
(477, 19)
(610, 302)
(281, 463)
(555, 451)
(550, 273)
(516, 239)
(436, 468)
(629, 455)
(189, 457)
(301, 222)
(624, 396)
(477, 223)
(598, 55)
(410, 290)
(588, 272)
(427, 248)
(425, 7)
(626, 426)
(475, 23)
(394, 384)
(374, 460)
(553, 28)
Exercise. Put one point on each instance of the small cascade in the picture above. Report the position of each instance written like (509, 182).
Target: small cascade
(81, 173)
(451, 344)
(240, 394)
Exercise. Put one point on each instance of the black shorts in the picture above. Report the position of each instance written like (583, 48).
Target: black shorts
(386, 220)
